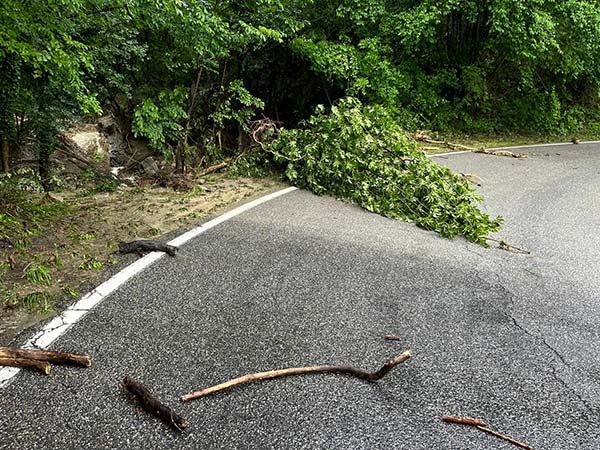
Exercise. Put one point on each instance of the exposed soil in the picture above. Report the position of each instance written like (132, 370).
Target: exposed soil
(79, 249)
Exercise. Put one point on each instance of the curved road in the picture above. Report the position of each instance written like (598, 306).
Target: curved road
(512, 339)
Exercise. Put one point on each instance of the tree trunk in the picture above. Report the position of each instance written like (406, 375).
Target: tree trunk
(179, 159)
(44, 168)
(5, 154)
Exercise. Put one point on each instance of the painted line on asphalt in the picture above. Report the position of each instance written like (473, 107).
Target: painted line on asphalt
(450, 153)
(60, 324)
(515, 147)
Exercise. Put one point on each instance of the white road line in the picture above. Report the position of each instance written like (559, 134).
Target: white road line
(450, 153)
(57, 326)
(516, 147)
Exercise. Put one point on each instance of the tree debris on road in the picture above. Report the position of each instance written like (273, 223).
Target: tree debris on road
(152, 405)
(144, 246)
(500, 153)
(484, 427)
(25, 363)
(503, 245)
(347, 370)
(40, 359)
(392, 337)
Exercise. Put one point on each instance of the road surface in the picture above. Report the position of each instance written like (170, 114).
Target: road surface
(512, 339)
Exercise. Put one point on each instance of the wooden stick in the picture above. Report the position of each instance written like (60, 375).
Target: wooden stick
(392, 337)
(347, 370)
(152, 405)
(67, 358)
(26, 363)
(465, 421)
(506, 438)
(477, 423)
(214, 168)
(508, 247)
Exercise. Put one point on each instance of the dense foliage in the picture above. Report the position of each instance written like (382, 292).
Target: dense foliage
(188, 76)
(360, 154)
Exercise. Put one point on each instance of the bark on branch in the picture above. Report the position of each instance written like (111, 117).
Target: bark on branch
(26, 363)
(347, 370)
(142, 246)
(66, 358)
(480, 424)
(152, 405)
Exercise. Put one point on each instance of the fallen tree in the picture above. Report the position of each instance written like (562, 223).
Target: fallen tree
(359, 153)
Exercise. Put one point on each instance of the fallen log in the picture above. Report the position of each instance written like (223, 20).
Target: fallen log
(152, 405)
(214, 168)
(25, 363)
(347, 370)
(144, 246)
(66, 358)
(484, 427)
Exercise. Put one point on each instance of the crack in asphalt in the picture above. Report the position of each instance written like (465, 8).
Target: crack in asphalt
(45, 331)
(540, 337)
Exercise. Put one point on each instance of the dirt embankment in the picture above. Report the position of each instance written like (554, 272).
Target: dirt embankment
(76, 251)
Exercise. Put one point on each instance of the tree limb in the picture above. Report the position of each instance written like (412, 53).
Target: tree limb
(152, 405)
(67, 358)
(480, 424)
(347, 370)
(26, 363)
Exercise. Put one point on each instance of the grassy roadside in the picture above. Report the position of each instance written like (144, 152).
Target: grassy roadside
(51, 246)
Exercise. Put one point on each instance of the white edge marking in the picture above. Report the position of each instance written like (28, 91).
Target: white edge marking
(57, 326)
(516, 147)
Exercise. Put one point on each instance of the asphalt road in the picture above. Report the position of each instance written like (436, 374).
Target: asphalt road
(512, 339)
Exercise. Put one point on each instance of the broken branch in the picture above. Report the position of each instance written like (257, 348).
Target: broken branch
(67, 358)
(347, 370)
(477, 423)
(465, 421)
(146, 245)
(392, 337)
(152, 405)
(506, 438)
(26, 363)
(508, 247)
(500, 153)
(214, 168)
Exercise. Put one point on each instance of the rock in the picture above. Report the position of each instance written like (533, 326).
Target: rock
(83, 147)
(181, 183)
(149, 166)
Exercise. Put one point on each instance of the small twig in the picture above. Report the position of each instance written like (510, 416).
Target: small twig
(480, 424)
(392, 337)
(508, 247)
(465, 421)
(500, 153)
(152, 405)
(506, 438)
(348, 370)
